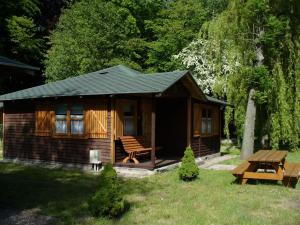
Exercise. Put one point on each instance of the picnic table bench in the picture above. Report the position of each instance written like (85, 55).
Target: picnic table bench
(268, 165)
(135, 146)
(291, 175)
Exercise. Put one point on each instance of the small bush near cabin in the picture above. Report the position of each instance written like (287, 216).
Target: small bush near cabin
(108, 200)
(188, 169)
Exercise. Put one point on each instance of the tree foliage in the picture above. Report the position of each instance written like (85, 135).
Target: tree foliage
(272, 27)
(83, 43)
(177, 25)
(141, 34)
(24, 27)
(18, 30)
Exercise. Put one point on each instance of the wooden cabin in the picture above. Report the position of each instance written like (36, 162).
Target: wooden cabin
(65, 121)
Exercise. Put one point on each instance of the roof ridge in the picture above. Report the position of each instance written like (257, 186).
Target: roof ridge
(168, 72)
(126, 69)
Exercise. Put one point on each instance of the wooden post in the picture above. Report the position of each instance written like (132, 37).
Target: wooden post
(112, 130)
(153, 132)
(189, 121)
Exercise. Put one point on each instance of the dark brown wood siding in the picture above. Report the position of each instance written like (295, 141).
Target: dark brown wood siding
(203, 146)
(21, 142)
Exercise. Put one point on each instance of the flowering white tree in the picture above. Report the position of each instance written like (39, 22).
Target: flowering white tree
(210, 65)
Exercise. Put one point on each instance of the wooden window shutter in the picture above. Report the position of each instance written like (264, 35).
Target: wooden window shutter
(96, 120)
(196, 118)
(119, 118)
(216, 121)
(43, 120)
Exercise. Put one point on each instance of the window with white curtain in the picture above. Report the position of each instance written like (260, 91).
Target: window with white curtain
(76, 115)
(61, 125)
(206, 122)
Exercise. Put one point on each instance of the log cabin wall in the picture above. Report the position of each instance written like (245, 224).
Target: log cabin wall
(206, 145)
(20, 140)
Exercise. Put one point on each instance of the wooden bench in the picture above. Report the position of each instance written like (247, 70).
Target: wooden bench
(291, 174)
(135, 146)
(239, 171)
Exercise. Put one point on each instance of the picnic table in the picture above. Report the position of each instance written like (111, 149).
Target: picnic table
(268, 165)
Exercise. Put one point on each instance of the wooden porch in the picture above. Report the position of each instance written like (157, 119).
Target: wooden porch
(162, 137)
(147, 164)
(162, 124)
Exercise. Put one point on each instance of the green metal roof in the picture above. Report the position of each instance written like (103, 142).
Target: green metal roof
(215, 100)
(114, 80)
(16, 64)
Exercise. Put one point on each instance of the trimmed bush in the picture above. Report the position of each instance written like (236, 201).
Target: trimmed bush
(188, 170)
(108, 200)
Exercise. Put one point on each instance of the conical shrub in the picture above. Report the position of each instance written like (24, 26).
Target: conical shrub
(108, 200)
(188, 170)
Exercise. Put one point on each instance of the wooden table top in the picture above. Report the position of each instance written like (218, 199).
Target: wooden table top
(268, 156)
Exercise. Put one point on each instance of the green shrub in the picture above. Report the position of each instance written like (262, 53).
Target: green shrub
(108, 200)
(188, 169)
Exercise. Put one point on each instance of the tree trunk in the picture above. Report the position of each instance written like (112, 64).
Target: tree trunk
(248, 137)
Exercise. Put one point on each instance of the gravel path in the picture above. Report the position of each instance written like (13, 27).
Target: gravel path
(11, 216)
(208, 163)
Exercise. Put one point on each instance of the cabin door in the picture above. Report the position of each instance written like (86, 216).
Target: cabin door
(126, 121)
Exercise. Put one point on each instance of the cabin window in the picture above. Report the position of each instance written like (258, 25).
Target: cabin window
(76, 113)
(73, 120)
(129, 119)
(61, 119)
(206, 122)
(69, 119)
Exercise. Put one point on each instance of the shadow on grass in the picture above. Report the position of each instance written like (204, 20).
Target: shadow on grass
(56, 192)
(258, 182)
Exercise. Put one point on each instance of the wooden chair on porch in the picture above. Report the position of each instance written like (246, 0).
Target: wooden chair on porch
(136, 146)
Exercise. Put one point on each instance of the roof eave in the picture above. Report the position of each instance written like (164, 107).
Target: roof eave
(79, 95)
(27, 67)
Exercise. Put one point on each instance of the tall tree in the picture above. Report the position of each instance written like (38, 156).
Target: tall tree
(258, 41)
(24, 27)
(18, 31)
(176, 25)
(82, 42)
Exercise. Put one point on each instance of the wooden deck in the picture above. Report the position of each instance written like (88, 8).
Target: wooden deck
(146, 164)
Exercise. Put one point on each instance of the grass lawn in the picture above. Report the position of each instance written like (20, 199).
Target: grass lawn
(159, 199)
